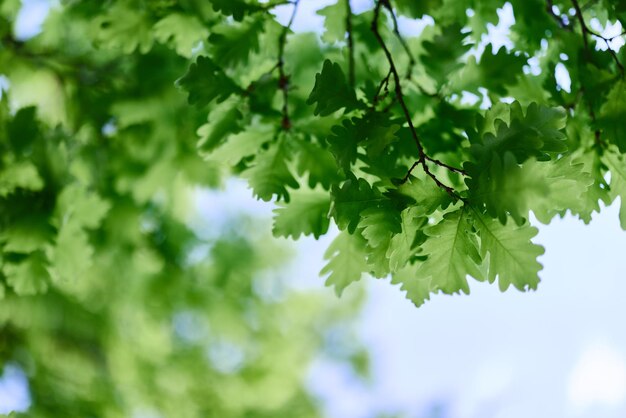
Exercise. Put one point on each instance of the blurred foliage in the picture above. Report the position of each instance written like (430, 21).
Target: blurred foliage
(112, 303)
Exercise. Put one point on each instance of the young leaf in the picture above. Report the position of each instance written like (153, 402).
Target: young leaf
(334, 22)
(403, 245)
(617, 165)
(205, 81)
(349, 200)
(235, 8)
(29, 276)
(612, 116)
(224, 120)
(232, 44)
(451, 249)
(306, 214)
(378, 225)
(270, 176)
(346, 261)
(331, 91)
(183, 31)
(512, 255)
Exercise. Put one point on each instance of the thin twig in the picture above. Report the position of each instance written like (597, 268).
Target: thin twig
(444, 165)
(586, 31)
(283, 78)
(384, 83)
(608, 46)
(396, 77)
(351, 77)
(399, 95)
(405, 46)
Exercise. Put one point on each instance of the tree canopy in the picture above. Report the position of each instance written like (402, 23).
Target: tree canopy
(427, 149)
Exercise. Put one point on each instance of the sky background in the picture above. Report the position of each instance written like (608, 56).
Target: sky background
(556, 352)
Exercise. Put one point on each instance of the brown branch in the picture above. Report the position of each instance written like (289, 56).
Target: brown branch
(446, 166)
(611, 51)
(396, 77)
(283, 78)
(586, 31)
(399, 95)
(384, 83)
(405, 46)
(351, 77)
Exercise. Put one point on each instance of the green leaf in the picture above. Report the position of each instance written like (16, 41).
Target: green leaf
(317, 162)
(71, 256)
(29, 276)
(494, 71)
(205, 82)
(334, 21)
(452, 254)
(612, 116)
(346, 255)
(425, 194)
(331, 91)
(569, 188)
(235, 8)
(232, 44)
(403, 246)
(270, 175)
(237, 147)
(21, 175)
(508, 188)
(379, 224)
(617, 167)
(81, 207)
(443, 53)
(28, 234)
(224, 120)
(512, 254)
(124, 28)
(182, 31)
(374, 132)
(306, 214)
(536, 133)
(417, 9)
(349, 200)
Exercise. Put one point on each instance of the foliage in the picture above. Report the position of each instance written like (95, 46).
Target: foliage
(424, 185)
(117, 298)
(362, 125)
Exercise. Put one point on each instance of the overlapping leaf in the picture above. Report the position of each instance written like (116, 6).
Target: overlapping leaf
(512, 254)
(205, 82)
(331, 91)
(452, 254)
(305, 214)
(346, 261)
(269, 175)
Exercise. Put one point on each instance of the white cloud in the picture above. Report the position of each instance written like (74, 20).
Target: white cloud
(598, 379)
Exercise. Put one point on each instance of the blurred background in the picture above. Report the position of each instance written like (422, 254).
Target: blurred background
(556, 352)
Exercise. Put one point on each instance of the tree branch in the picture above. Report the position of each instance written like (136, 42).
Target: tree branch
(399, 95)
